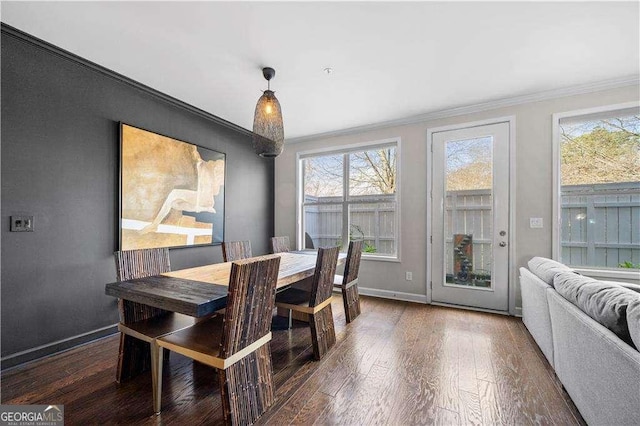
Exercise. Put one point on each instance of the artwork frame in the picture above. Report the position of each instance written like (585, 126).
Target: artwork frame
(171, 192)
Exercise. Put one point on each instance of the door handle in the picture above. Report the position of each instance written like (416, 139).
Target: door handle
(502, 244)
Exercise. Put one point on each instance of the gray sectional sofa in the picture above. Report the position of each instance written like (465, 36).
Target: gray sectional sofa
(573, 318)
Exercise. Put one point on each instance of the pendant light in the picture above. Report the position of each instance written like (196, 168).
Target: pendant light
(268, 131)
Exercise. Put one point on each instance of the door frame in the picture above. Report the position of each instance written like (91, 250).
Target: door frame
(511, 274)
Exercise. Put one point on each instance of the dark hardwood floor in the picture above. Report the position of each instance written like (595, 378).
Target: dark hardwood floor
(398, 363)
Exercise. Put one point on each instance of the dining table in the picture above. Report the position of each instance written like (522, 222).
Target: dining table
(202, 290)
(198, 292)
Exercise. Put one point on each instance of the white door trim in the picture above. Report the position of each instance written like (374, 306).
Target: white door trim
(511, 120)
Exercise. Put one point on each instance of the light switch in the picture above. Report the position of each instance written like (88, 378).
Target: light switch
(535, 222)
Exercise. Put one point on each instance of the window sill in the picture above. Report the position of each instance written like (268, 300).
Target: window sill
(612, 274)
(364, 256)
(381, 258)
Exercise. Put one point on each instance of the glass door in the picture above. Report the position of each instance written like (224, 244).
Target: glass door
(470, 190)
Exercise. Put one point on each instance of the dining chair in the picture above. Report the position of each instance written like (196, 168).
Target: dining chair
(317, 303)
(348, 282)
(236, 344)
(280, 244)
(236, 250)
(140, 325)
(308, 241)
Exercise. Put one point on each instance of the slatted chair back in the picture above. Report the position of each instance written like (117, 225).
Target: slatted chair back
(352, 265)
(349, 285)
(236, 250)
(308, 241)
(280, 244)
(250, 303)
(322, 284)
(131, 264)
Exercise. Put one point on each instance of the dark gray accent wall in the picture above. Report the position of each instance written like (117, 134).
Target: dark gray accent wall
(60, 164)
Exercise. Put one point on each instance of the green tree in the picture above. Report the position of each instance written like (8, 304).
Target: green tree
(606, 151)
(477, 175)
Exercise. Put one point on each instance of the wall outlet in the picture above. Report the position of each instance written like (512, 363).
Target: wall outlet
(21, 223)
(535, 222)
(408, 276)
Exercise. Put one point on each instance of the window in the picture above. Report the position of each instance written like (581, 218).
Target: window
(350, 194)
(598, 180)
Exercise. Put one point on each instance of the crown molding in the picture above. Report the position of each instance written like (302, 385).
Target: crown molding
(64, 54)
(483, 106)
(433, 115)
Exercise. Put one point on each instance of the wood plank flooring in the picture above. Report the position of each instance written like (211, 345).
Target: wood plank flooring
(398, 363)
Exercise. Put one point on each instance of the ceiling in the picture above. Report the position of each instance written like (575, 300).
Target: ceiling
(390, 60)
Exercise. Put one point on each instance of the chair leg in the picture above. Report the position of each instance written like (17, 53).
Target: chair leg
(290, 319)
(246, 388)
(323, 333)
(351, 300)
(133, 358)
(157, 355)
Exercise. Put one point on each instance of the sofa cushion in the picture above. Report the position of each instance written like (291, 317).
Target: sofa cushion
(634, 287)
(633, 320)
(606, 303)
(546, 269)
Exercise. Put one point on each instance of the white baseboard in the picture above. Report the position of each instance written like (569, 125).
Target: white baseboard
(395, 295)
(419, 298)
(469, 308)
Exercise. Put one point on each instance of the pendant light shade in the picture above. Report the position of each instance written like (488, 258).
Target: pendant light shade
(268, 130)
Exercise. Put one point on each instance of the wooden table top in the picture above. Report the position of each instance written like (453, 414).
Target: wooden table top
(202, 290)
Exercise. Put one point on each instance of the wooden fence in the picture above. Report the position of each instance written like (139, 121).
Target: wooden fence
(601, 224)
(469, 212)
(375, 222)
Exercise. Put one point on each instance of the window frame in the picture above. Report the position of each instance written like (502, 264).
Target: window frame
(342, 150)
(556, 231)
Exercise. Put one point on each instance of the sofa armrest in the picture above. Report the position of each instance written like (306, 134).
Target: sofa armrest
(535, 311)
(600, 372)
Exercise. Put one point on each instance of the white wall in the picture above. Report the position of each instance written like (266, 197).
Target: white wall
(533, 185)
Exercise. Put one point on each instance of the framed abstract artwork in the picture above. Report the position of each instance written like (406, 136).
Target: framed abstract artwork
(171, 192)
